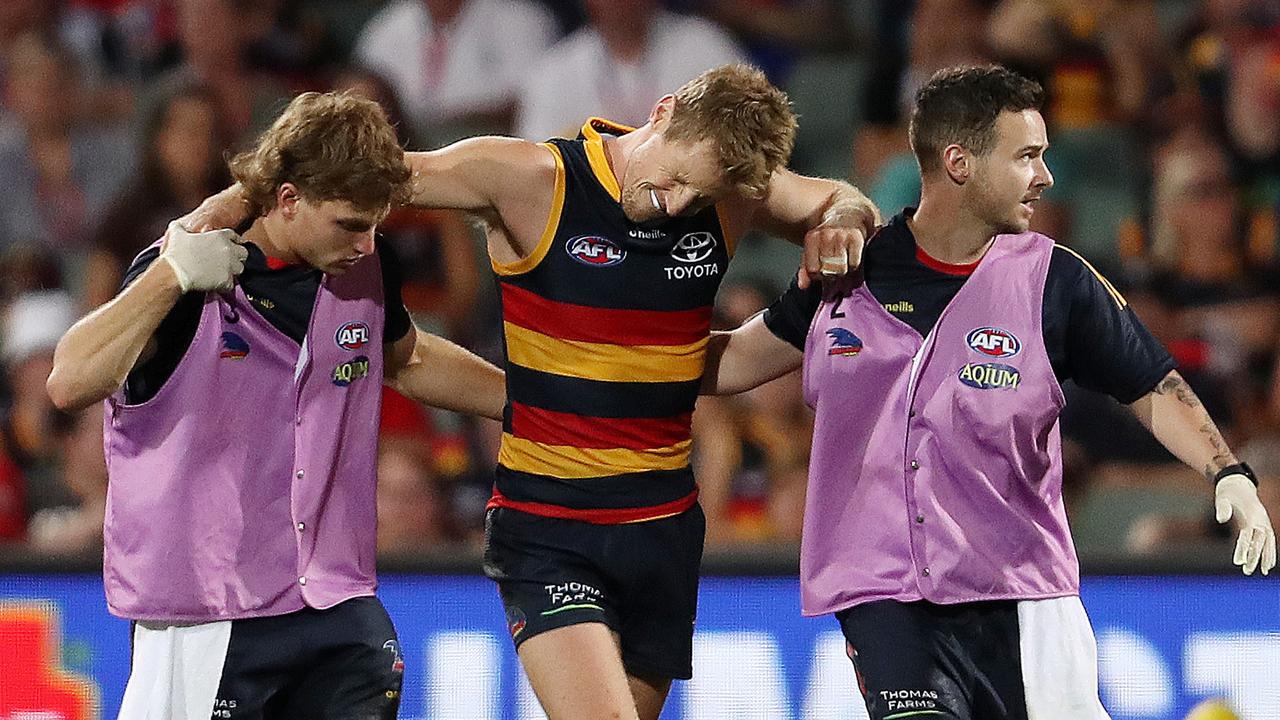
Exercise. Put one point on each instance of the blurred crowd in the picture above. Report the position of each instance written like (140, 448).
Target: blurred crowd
(116, 116)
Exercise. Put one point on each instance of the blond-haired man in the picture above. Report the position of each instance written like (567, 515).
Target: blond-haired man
(243, 391)
(608, 250)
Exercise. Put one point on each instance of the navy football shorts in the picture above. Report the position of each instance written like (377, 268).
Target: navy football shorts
(992, 660)
(640, 579)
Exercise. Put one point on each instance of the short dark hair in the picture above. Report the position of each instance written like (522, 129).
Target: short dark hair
(960, 105)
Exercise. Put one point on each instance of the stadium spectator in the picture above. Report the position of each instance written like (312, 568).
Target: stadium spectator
(1226, 315)
(456, 64)
(59, 455)
(630, 52)
(413, 509)
(1230, 48)
(215, 36)
(181, 164)
(1102, 67)
(59, 173)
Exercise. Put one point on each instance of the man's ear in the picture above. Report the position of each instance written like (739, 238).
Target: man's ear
(956, 164)
(287, 199)
(660, 115)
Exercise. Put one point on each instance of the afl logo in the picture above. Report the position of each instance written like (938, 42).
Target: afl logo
(694, 247)
(595, 250)
(994, 342)
(352, 336)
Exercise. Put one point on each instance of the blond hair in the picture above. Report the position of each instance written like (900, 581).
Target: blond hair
(332, 146)
(749, 122)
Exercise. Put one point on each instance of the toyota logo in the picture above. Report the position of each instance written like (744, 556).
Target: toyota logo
(694, 247)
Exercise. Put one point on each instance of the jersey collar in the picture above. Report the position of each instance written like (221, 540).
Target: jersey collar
(596, 155)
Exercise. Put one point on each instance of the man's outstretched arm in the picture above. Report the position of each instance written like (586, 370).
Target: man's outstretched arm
(745, 358)
(480, 175)
(1176, 418)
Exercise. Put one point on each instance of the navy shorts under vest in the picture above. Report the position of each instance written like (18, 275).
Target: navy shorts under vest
(988, 660)
(342, 663)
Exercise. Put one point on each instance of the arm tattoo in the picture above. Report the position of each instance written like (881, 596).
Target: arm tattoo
(1174, 385)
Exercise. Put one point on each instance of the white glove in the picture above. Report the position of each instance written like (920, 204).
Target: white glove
(1236, 496)
(203, 261)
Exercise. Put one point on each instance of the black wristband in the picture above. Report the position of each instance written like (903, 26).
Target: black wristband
(1237, 469)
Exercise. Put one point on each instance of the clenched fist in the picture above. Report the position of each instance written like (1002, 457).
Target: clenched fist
(203, 261)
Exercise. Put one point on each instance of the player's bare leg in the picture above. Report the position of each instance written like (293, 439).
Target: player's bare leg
(650, 694)
(576, 672)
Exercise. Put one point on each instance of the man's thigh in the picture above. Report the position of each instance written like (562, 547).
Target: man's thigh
(899, 665)
(658, 569)
(359, 669)
(576, 672)
(635, 584)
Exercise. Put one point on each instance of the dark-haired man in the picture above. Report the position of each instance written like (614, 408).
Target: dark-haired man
(934, 524)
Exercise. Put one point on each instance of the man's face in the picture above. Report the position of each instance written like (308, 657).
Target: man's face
(332, 235)
(39, 86)
(213, 33)
(187, 144)
(1008, 181)
(666, 179)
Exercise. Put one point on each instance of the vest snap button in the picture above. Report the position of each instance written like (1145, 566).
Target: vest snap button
(302, 526)
(919, 519)
(303, 580)
(925, 572)
(299, 474)
(915, 465)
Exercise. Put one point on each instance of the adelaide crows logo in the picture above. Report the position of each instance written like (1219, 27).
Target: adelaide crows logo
(397, 660)
(233, 347)
(844, 342)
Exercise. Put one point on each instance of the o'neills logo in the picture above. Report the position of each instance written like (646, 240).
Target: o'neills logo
(990, 376)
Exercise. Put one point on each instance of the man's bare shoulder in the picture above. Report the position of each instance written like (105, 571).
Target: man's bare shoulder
(481, 172)
(491, 155)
